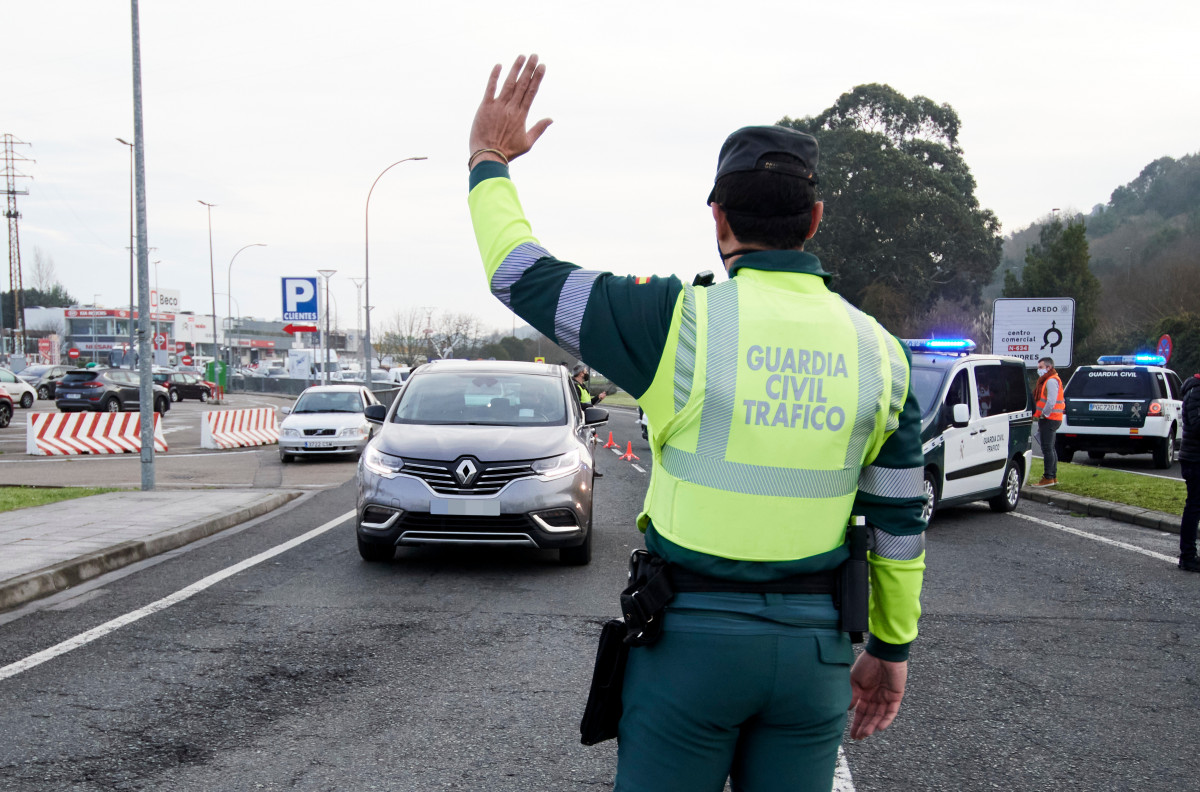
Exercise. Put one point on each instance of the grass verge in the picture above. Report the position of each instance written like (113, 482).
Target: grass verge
(24, 497)
(619, 399)
(1144, 492)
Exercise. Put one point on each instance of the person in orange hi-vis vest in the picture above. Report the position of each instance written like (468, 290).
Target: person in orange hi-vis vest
(1048, 410)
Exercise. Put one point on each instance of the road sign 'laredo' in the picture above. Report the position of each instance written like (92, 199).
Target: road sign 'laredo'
(299, 299)
(1032, 328)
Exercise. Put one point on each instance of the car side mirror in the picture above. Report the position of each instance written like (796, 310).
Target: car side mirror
(375, 413)
(961, 415)
(593, 416)
(285, 410)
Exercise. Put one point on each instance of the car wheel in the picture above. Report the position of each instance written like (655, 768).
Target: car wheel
(931, 497)
(580, 555)
(376, 553)
(5, 415)
(174, 395)
(203, 396)
(1096, 455)
(1007, 500)
(1164, 448)
(161, 405)
(112, 404)
(285, 458)
(43, 392)
(26, 400)
(1063, 451)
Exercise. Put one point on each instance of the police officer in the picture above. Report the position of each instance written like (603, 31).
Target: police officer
(579, 376)
(1048, 410)
(779, 411)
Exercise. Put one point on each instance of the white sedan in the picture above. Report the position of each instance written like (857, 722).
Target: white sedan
(326, 420)
(21, 391)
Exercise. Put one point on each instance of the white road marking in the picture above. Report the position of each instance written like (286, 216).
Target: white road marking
(93, 634)
(1103, 539)
(842, 782)
(616, 451)
(638, 468)
(114, 457)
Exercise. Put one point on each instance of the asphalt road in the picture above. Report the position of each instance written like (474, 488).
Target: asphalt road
(1048, 660)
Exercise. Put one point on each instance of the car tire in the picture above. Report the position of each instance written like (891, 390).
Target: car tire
(43, 392)
(203, 396)
(175, 396)
(26, 400)
(1063, 451)
(1096, 455)
(5, 415)
(580, 555)
(931, 496)
(1007, 500)
(112, 404)
(285, 458)
(376, 553)
(161, 405)
(1164, 451)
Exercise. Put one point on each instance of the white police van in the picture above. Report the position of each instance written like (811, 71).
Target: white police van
(976, 424)
(1127, 404)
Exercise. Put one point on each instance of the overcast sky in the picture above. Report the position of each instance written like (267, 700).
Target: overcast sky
(283, 112)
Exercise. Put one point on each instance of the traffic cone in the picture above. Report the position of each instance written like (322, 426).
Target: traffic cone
(611, 443)
(629, 455)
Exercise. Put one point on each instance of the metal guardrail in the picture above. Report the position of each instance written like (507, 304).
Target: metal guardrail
(289, 386)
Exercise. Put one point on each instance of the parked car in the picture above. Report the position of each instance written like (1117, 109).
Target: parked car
(181, 385)
(6, 408)
(326, 420)
(105, 390)
(488, 453)
(44, 377)
(18, 389)
(976, 424)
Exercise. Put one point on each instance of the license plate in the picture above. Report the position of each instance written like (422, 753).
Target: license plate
(319, 444)
(1106, 407)
(74, 395)
(465, 508)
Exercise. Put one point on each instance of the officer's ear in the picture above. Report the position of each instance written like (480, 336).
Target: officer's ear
(818, 212)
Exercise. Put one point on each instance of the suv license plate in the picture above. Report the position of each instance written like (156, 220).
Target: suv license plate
(319, 444)
(464, 507)
(1106, 407)
(73, 395)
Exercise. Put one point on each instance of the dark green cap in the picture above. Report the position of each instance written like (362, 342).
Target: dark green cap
(758, 148)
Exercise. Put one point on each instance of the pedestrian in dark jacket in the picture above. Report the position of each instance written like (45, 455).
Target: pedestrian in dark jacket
(1189, 463)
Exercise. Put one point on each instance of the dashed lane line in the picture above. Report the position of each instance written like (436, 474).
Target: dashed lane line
(842, 782)
(1095, 537)
(639, 468)
(95, 633)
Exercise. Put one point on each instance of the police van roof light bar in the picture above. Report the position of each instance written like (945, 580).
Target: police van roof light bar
(960, 345)
(1137, 360)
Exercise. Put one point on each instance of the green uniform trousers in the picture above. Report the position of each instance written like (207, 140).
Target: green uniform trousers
(749, 687)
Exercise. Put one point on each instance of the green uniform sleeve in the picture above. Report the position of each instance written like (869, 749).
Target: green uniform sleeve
(616, 324)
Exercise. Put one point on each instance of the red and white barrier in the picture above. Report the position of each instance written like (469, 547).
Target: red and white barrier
(239, 428)
(62, 434)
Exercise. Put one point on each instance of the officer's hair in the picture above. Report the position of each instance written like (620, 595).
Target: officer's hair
(1048, 361)
(767, 208)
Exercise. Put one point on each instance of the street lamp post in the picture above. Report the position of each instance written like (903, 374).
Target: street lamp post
(211, 274)
(358, 284)
(132, 246)
(326, 274)
(367, 260)
(229, 296)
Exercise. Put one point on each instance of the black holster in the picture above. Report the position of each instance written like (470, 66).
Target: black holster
(645, 599)
(854, 585)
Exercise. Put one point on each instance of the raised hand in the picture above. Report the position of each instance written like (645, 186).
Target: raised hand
(500, 122)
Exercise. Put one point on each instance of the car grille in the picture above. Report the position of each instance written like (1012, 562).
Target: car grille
(490, 478)
(320, 432)
(442, 523)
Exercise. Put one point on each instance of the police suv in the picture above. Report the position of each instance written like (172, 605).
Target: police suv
(1128, 404)
(976, 424)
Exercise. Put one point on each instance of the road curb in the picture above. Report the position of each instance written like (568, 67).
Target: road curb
(1146, 518)
(64, 575)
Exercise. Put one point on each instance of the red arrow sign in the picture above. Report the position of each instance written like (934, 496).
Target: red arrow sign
(299, 328)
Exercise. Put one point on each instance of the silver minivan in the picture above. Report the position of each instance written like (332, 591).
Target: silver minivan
(480, 453)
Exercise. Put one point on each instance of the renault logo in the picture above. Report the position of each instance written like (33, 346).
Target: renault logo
(465, 471)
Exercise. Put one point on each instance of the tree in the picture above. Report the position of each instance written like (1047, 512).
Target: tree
(57, 297)
(901, 216)
(1057, 266)
(44, 278)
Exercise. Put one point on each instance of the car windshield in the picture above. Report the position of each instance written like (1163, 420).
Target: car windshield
(33, 372)
(488, 399)
(329, 401)
(1110, 384)
(927, 384)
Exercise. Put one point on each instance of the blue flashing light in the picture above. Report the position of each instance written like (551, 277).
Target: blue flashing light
(1135, 360)
(952, 345)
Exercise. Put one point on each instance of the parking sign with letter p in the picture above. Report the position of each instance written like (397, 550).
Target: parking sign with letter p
(300, 299)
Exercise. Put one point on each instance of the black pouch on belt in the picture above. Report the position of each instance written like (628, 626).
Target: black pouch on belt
(603, 710)
(645, 598)
(854, 586)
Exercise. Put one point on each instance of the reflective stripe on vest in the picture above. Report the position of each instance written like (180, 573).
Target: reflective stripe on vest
(1055, 413)
(761, 458)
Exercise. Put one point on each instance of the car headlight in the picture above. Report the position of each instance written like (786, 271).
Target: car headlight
(353, 431)
(556, 467)
(380, 463)
(291, 432)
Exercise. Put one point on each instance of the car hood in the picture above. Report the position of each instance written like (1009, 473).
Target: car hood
(322, 420)
(485, 443)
